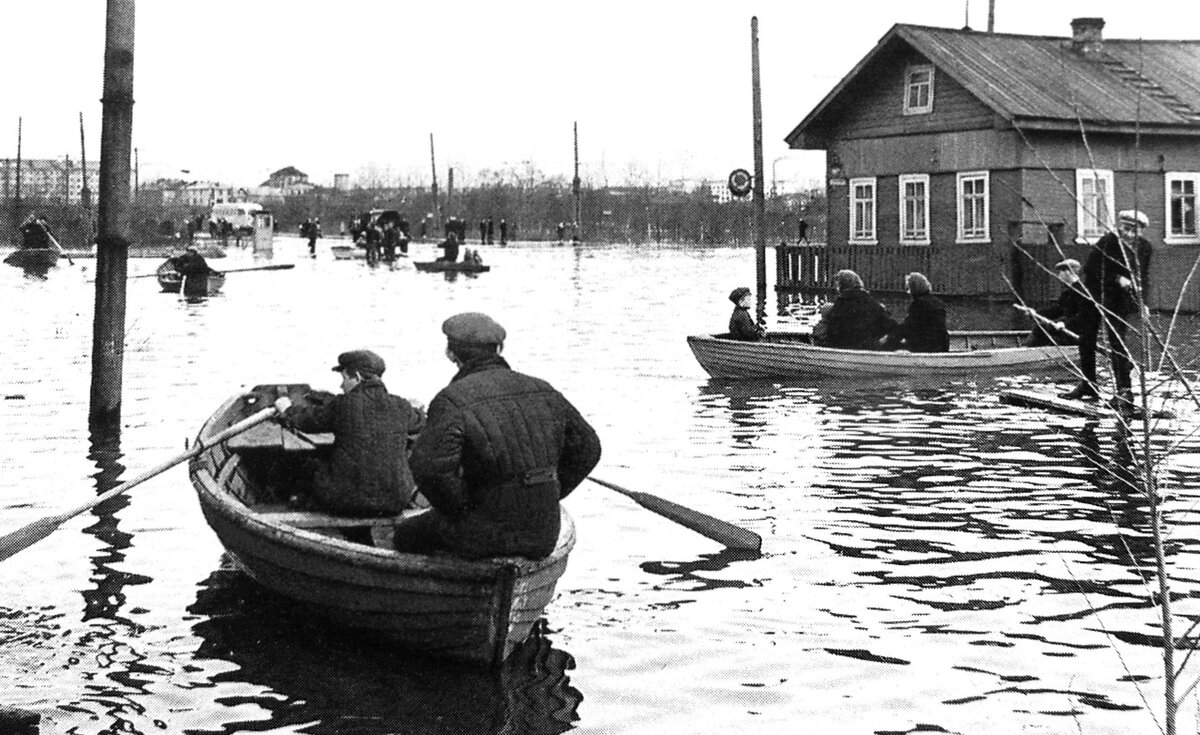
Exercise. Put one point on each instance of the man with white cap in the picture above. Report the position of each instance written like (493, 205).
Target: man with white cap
(1116, 276)
(499, 451)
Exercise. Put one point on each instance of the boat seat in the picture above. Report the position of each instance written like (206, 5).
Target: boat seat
(316, 519)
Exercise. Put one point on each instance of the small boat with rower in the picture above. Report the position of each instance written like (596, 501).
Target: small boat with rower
(792, 354)
(445, 266)
(473, 610)
(33, 258)
(171, 281)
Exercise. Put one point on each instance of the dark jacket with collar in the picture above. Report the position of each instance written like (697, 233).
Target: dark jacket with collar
(855, 322)
(924, 328)
(368, 471)
(743, 327)
(1108, 262)
(499, 451)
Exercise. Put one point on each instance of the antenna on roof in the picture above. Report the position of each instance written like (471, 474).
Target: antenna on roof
(966, 15)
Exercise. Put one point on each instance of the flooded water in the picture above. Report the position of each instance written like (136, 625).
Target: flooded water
(933, 560)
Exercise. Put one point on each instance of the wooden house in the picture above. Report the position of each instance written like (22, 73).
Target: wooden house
(981, 159)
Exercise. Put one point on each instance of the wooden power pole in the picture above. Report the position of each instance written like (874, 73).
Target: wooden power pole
(112, 240)
(85, 194)
(437, 207)
(575, 186)
(760, 211)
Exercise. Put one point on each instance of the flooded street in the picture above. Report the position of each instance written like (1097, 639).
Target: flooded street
(933, 559)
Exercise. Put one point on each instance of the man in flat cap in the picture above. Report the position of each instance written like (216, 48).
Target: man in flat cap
(1062, 321)
(367, 473)
(1116, 274)
(498, 453)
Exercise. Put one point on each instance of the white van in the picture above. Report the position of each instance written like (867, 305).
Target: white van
(240, 215)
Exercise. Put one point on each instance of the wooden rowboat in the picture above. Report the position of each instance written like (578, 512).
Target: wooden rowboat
(442, 266)
(33, 258)
(477, 611)
(785, 354)
(171, 282)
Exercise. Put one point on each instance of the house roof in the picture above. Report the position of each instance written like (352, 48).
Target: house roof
(288, 171)
(1039, 81)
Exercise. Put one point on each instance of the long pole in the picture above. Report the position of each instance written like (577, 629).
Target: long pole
(437, 207)
(575, 188)
(85, 194)
(112, 240)
(17, 198)
(760, 210)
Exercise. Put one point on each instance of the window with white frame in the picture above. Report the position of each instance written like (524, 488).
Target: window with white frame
(918, 89)
(862, 211)
(973, 205)
(914, 209)
(1180, 217)
(1093, 202)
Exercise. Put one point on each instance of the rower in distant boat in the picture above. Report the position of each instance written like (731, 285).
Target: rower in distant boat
(191, 263)
(741, 325)
(35, 233)
(924, 328)
(450, 246)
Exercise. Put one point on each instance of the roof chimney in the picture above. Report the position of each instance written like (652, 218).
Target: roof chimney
(1086, 36)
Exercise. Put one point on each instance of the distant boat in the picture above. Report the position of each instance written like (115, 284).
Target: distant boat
(787, 354)
(473, 610)
(171, 282)
(442, 266)
(33, 258)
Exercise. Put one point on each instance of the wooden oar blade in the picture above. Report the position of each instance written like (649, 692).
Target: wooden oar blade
(23, 538)
(723, 532)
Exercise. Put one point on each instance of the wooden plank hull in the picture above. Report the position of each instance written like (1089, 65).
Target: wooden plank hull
(788, 355)
(33, 258)
(170, 281)
(469, 610)
(441, 266)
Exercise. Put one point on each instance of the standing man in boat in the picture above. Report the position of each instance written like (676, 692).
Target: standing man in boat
(367, 474)
(499, 452)
(855, 321)
(741, 325)
(1116, 275)
(450, 246)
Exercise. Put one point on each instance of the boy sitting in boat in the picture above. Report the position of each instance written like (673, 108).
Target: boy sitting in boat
(855, 321)
(367, 474)
(741, 325)
(499, 452)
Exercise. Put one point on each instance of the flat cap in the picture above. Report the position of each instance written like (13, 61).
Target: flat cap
(361, 361)
(738, 294)
(1069, 264)
(473, 328)
(1133, 217)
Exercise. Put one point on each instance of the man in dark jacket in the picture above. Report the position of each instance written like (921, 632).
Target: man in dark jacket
(856, 321)
(741, 325)
(499, 452)
(924, 328)
(191, 264)
(1069, 313)
(1109, 274)
(368, 472)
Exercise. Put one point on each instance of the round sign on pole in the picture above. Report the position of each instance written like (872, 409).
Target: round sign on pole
(740, 182)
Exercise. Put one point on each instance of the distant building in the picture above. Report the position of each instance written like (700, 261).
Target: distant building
(196, 193)
(285, 182)
(48, 179)
(341, 182)
(981, 159)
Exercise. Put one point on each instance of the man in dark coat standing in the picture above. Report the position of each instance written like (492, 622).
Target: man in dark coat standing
(856, 321)
(499, 452)
(368, 472)
(924, 328)
(1116, 274)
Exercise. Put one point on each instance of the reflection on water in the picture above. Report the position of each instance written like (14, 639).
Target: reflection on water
(290, 670)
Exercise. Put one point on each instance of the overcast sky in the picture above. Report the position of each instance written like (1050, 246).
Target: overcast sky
(231, 90)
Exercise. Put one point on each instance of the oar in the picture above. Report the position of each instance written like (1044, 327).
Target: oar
(277, 267)
(60, 248)
(29, 535)
(1048, 322)
(734, 537)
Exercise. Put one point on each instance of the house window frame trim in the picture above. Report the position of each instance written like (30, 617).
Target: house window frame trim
(874, 238)
(926, 109)
(1168, 238)
(1081, 238)
(900, 181)
(960, 237)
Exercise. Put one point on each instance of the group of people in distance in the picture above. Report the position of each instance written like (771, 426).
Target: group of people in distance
(1104, 292)
(855, 320)
(493, 456)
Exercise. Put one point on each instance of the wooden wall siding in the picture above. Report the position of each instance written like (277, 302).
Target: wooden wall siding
(954, 270)
(968, 150)
(1169, 269)
(1115, 152)
(879, 103)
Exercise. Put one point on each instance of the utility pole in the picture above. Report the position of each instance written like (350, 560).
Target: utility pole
(85, 194)
(437, 207)
(17, 198)
(112, 242)
(760, 211)
(575, 188)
